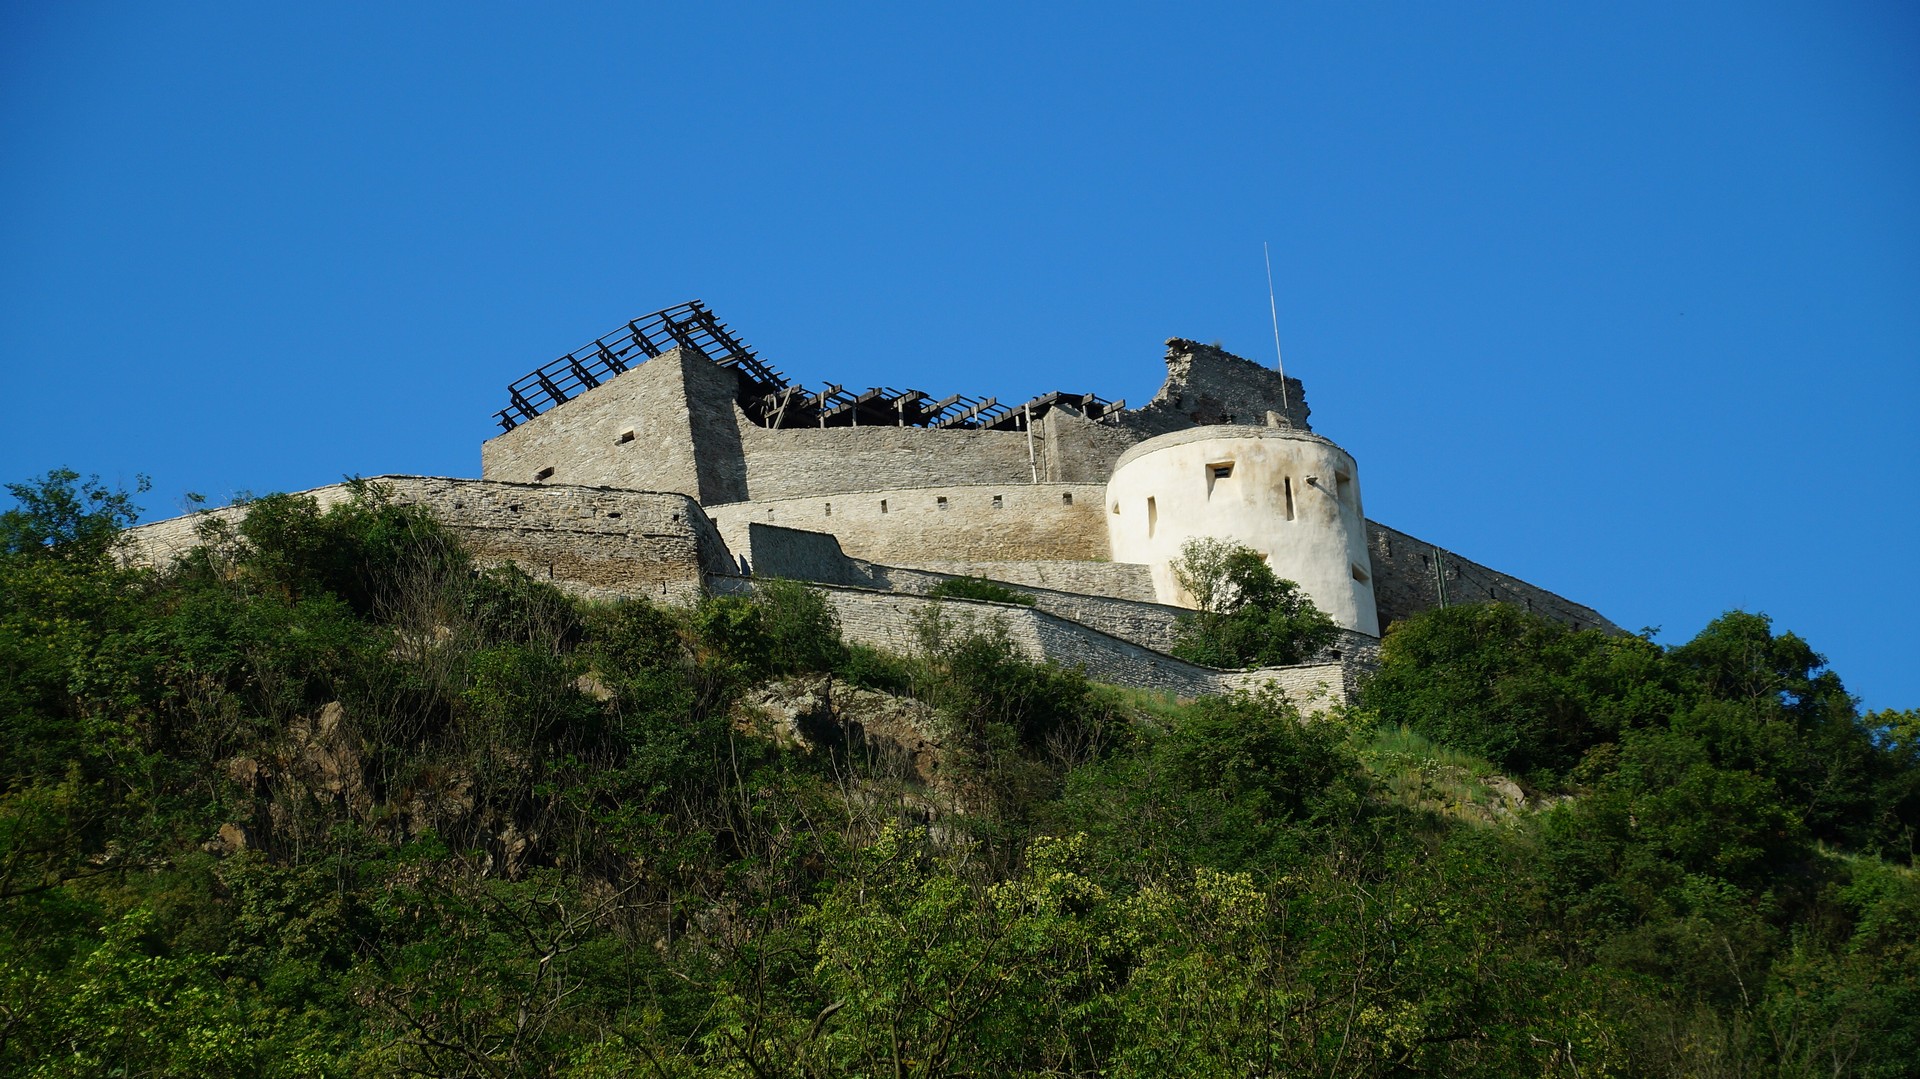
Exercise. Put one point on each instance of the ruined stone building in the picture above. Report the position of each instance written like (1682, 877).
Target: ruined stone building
(667, 459)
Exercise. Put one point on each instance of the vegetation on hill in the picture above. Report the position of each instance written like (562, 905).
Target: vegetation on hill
(328, 799)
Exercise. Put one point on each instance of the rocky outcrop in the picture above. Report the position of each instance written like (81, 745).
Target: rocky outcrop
(823, 714)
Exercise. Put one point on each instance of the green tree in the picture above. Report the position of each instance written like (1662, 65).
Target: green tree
(1529, 694)
(1245, 615)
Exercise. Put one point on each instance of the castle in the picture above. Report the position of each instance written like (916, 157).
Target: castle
(667, 459)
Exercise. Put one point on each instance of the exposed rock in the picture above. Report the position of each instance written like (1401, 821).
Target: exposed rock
(322, 754)
(1510, 795)
(230, 839)
(248, 773)
(819, 712)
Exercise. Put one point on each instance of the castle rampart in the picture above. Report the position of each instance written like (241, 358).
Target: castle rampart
(593, 541)
(892, 621)
(1007, 522)
(674, 423)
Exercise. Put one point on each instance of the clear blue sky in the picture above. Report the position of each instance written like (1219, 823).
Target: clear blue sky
(1622, 299)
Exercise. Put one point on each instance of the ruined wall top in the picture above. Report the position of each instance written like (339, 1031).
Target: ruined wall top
(1208, 385)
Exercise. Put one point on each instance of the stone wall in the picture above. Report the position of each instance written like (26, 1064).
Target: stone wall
(633, 432)
(1408, 576)
(1209, 385)
(816, 557)
(890, 621)
(1117, 580)
(1030, 522)
(593, 541)
(673, 424)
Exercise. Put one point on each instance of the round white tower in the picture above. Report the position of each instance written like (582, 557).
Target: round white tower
(1288, 494)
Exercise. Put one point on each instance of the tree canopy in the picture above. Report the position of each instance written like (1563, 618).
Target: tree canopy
(328, 799)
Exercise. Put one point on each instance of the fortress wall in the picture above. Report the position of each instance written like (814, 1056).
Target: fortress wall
(891, 621)
(689, 435)
(590, 540)
(793, 462)
(1116, 580)
(816, 557)
(1034, 522)
(1405, 583)
(1207, 385)
(800, 461)
(581, 439)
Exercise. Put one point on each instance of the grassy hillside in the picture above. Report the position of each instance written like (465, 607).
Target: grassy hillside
(325, 799)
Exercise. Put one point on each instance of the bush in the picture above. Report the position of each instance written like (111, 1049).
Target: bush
(1246, 615)
(979, 588)
(802, 633)
(1529, 694)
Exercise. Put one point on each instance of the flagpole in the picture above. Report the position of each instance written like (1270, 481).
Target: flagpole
(1274, 310)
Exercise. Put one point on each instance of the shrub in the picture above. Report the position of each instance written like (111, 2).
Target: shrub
(979, 588)
(801, 631)
(1529, 694)
(1246, 615)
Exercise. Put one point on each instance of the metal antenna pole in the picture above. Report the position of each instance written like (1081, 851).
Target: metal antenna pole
(1033, 465)
(1274, 310)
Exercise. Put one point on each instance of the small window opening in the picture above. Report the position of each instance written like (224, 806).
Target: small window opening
(1343, 489)
(1286, 487)
(883, 505)
(1359, 574)
(940, 501)
(1153, 516)
(997, 503)
(615, 514)
(625, 437)
(515, 508)
(544, 474)
(1116, 507)
(1066, 498)
(1217, 471)
(829, 509)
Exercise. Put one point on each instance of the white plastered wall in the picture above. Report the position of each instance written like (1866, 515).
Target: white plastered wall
(1292, 496)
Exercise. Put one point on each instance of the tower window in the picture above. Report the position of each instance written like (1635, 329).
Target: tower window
(625, 437)
(940, 502)
(997, 503)
(1217, 471)
(1286, 489)
(544, 474)
(829, 509)
(883, 505)
(1358, 573)
(1153, 516)
(1066, 498)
